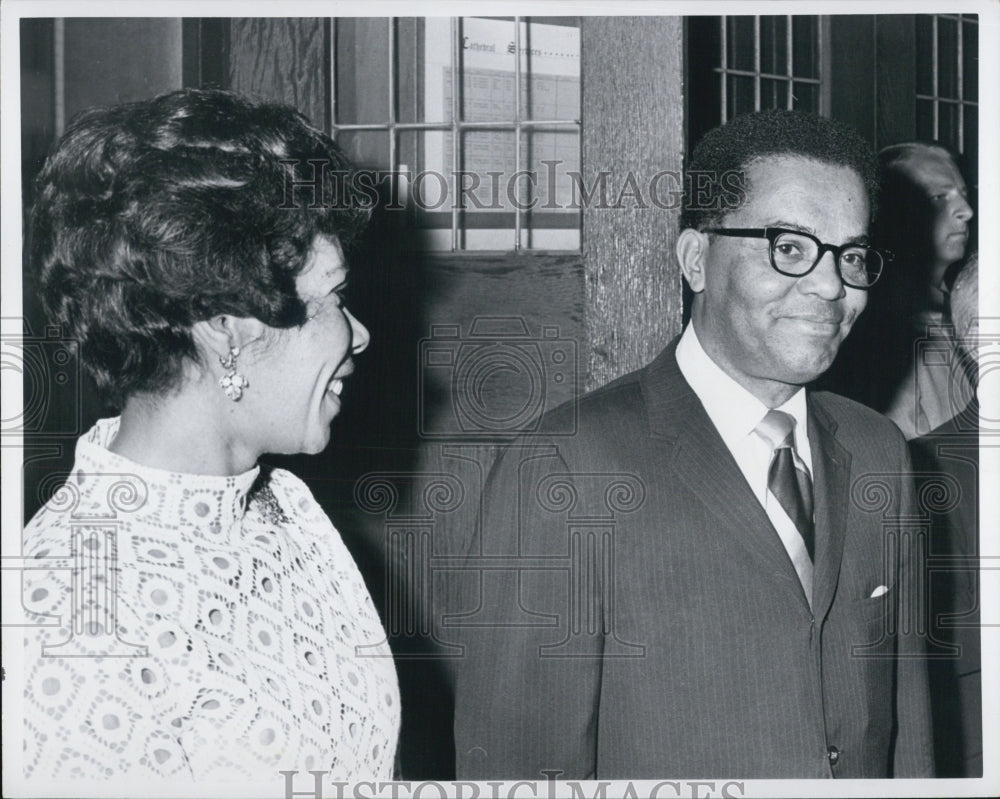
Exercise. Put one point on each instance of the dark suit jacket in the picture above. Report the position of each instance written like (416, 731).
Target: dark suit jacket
(636, 614)
(946, 463)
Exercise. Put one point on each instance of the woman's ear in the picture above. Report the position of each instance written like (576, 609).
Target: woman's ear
(216, 336)
(692, 251)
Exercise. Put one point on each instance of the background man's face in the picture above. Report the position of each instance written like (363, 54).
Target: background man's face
(937, 176)
(764, 328)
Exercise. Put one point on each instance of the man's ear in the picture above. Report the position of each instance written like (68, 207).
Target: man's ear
(692, 252)
(215, 336)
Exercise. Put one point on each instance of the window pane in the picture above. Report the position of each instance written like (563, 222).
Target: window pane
(362, 70)
(550, 155)
(489, 96)
(553, 97)
(805, 47)
(739, 95)
(925, 55)
(740, 42)
(805, 96)
(365, 148)
(774, 45)
(970, 145)
(925, 119)
(488, 188)
(409, 76)
(947, 57)
(704, 59)
(551, 222)
(487, 218)
(773, 93)
(948, 125)
(410, 151)
(970, 60)
(436, 47)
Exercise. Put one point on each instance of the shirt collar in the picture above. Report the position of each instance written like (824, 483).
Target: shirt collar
(734, 411)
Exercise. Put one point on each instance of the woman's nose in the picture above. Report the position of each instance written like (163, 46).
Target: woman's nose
(360, 335)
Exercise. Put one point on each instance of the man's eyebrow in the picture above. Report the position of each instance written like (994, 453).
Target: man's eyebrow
(862, 239)
(943, 186)
(793, 226)
(859, 239)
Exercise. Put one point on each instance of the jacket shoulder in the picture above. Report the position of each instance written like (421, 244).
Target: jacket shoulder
(619, 401)
(858, 422)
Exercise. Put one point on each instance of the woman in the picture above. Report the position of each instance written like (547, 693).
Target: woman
(215, 628)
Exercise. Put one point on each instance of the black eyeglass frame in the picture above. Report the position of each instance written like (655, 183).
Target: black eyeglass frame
(773, 233)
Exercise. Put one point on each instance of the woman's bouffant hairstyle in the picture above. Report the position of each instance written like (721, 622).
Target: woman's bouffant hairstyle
(154, 215)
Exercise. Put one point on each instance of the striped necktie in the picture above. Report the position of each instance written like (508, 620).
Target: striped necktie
(788, 480)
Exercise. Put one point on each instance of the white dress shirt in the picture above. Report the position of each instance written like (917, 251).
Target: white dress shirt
(735, 412)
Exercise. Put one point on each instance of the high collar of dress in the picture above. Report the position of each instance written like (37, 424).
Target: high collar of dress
(105, 485)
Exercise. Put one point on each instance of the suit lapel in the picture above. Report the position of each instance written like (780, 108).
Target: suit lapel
(699, 458)
(831, 478)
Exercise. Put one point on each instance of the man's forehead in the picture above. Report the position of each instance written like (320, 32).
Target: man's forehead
(931, 169)
(790, 190)
(770, 172)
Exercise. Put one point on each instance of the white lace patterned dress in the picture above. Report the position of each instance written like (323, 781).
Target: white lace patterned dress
(244, 640)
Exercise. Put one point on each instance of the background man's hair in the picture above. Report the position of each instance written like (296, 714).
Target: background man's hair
(892, 156)
(733, 147)
(154, 215)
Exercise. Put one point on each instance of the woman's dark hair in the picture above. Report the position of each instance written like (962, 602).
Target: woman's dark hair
(154, 215)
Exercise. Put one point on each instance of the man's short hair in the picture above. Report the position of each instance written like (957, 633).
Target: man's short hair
(731, 148)
(895, 155)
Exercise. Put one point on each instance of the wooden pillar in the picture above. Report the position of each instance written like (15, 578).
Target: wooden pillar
(282, 59)
(633, 125)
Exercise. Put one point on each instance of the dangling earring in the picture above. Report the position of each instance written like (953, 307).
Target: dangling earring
(232, 382)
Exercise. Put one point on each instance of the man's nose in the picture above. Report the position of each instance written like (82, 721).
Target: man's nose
(963, 210)
(824, 280)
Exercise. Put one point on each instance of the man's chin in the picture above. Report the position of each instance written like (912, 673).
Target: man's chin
(808, 369)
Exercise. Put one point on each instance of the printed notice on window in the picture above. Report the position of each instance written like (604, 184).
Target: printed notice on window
(491, 183)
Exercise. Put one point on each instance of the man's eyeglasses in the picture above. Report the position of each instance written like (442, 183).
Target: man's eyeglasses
(795, 254)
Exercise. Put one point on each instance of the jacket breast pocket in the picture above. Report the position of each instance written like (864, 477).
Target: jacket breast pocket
(875, 607)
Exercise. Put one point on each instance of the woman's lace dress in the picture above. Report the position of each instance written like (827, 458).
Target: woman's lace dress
(218, 629)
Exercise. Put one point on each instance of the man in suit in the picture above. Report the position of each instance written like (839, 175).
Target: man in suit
(692, 586)
(946, 462)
